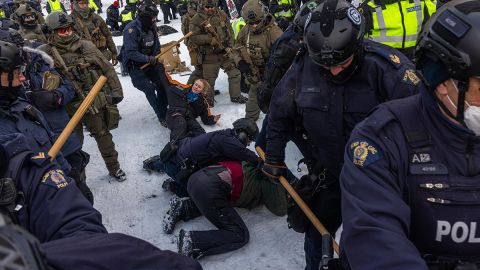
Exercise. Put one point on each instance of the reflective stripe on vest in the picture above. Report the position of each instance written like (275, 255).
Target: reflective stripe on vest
(127, 17)
(287, 14)
(388, 27)
(237, 25)
(55, 5)
(93, 5)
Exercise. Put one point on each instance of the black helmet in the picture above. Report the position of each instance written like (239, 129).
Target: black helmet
(302, 14)
(245, 129)
(12, 36)
(333, 32)
(148, 10)
(10, 56)
(446, 48)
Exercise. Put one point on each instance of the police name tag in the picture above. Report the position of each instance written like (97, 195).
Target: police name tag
(433, 168)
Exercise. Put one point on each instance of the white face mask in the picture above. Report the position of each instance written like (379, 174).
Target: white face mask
(471, 115)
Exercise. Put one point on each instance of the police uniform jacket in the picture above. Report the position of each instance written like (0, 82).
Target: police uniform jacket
(410, 187)
(328, 111)
(138, 45)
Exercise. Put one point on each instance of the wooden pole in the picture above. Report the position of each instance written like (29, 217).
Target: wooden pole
(53, 152)
(318, 225)
(168, 49)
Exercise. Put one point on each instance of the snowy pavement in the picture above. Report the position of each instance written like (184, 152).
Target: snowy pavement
(136, 206)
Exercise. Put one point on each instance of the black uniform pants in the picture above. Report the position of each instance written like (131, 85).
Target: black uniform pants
(211, 195)
(182, 125)
(167, 16)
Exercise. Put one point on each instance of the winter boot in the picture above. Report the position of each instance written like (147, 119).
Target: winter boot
(185, 245)
(175, 213)
(149, 164)
(119, 175)
(240, 99)
(169, 185)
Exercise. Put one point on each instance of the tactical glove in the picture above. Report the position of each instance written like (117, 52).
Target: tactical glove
(45, 100)
(274, 169)
(152, 60)
(114, 60)
(244, 67)
(215, 42)
(116, 100)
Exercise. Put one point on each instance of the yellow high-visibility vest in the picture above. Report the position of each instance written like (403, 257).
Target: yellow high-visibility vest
(55, 5)
(127, 16)
(398, 24)
(287, 14)
(92, 4)
(237, 24)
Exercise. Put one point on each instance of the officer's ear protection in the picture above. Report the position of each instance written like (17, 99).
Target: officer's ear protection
(243, 137)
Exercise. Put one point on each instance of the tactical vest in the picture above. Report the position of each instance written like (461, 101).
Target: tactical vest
(258, 46)
(237, 25)
(93, 30)
(147, 43)
(287, 14)
(398, 24)
(127, 17)
(445, 206)
(54, 5)
(219, 22)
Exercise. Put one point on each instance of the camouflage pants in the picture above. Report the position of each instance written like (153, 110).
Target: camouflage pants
(97, 126)
(197, 73)
(252, 110)
(211, 66)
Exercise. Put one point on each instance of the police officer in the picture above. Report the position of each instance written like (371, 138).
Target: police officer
(140, 46)
(179, 159)
(410, 179)
(83, 64)
(128, 14)
(90, 26)
(30, 29)
(213, 36)
(54, 5)
(284, 11)
(197, 73)
(113, 17)
(255, 41)
(396, 23)
(330, 87)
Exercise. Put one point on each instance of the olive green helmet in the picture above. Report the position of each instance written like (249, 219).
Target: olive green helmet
(253, 11)
(24, 9)
(58, 19)
(209, 3)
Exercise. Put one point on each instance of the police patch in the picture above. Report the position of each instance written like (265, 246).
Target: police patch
(362, 152)
(395, 59)
(130, 30)
(354, 16)
(411, 77)
(55, 178)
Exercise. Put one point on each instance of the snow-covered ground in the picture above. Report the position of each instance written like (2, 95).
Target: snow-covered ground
(136, 206)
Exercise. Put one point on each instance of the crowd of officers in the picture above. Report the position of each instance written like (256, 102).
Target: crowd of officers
(381, 99)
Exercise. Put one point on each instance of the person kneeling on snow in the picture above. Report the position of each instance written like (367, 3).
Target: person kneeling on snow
(180, 159)
(214, 192)
(185, 104)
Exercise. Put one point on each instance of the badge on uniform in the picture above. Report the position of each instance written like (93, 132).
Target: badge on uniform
(55, 178)
(411, 77)
(130, 30)
(395, 59)
(363, 152)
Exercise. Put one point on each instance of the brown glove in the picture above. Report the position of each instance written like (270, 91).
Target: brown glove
(114, 60)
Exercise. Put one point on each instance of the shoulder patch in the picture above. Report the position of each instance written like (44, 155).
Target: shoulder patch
(40, 158)
(411, 77)
(363, 152)
(394, 58)
(130, 30)
(55, 178)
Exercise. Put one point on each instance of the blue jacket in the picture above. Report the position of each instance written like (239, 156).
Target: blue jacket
(328, 111)
(53, 206)
(21, 117)
(133, 41)
(56, 118)
(410, 187)
(213, 147)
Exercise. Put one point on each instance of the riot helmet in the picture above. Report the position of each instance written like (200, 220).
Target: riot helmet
(11, 61)
(253, 12)
(302, 15)
(245, 130)
(26, 15)
(446, 48)
(333, 32)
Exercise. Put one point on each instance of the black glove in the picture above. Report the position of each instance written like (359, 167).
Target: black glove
(44, 99)
(244, 67)
(274, 169)
(116, 100)
(152, 60)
